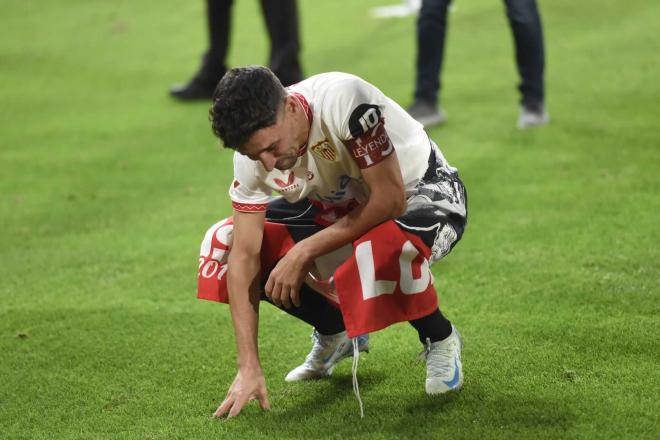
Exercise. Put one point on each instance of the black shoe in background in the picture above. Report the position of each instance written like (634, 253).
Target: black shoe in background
(292, 75)
(202, 85)
(200, 88)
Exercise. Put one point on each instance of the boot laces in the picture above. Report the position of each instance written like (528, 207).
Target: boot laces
(438, 359)
(356, 387)
(320, 344)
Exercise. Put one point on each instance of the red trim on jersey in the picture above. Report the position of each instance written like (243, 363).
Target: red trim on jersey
(249, 207)
(305, 106)
(308, 113)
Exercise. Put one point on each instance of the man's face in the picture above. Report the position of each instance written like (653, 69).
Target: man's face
(277, 146)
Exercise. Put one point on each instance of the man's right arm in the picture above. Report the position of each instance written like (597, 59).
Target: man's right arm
(243, 284)
(244, 295)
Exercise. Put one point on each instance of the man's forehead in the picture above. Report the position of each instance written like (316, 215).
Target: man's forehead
(265, 136)
(260, 140)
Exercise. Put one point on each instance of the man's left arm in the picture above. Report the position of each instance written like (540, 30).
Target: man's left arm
(386, 201)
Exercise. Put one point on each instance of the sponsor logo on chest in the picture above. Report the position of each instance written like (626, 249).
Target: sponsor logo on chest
(294, 180)
(287, 186)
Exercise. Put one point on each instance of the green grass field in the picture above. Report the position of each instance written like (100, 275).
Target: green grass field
(108, 186)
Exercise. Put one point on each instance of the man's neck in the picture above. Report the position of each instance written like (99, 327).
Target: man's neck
(302, 124)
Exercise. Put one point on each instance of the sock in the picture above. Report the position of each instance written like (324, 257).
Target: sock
(433, 326)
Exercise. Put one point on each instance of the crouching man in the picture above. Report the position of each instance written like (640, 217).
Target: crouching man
(367, 203)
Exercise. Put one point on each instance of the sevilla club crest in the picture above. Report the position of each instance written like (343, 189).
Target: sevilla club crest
(325, 150)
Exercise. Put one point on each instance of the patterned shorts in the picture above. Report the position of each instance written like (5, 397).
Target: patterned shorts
(437, 210)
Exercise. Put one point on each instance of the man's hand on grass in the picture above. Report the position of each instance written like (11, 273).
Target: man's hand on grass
(248, 385)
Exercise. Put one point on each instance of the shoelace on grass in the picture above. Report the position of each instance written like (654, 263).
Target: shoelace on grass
(317, 346)
(356, 388)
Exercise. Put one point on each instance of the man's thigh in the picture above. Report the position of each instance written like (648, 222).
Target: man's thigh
(437, 213)
(297, 217)
(438, 230)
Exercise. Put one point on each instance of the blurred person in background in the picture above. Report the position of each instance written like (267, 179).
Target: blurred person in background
(281, 17)
(527, 31)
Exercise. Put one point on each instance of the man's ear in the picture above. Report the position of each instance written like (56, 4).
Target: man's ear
(290, 104)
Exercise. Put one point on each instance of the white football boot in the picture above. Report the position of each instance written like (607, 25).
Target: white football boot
(327, 351)
(444, 371)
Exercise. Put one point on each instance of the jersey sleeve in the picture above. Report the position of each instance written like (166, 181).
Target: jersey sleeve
(247, 192)
(359, 117)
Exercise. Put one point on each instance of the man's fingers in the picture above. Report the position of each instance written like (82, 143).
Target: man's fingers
(235, 406)
(268, 288)
(286, 301)
(275, 295)
(295, 296)
(224, 407)
(263, 400)
(238, 405)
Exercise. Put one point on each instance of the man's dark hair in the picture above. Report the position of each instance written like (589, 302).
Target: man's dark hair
(245, 100)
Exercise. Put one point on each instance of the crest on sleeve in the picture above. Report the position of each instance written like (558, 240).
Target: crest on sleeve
(364, 118)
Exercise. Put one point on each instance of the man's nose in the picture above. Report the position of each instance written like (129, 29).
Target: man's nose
(268, 161)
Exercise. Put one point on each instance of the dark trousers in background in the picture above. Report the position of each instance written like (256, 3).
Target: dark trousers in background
(281, 18)
(527, 32)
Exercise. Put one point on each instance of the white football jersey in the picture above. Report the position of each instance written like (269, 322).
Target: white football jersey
(353, 125)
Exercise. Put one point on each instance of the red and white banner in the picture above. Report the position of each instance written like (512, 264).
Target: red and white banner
(387, 278)
(212, 275)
